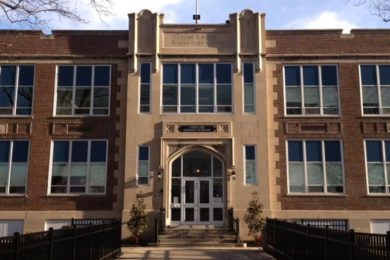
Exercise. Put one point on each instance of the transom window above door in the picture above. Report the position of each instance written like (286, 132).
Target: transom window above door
(197, 88)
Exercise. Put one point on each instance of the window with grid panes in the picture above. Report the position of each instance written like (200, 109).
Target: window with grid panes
(311, 90)
(79, 166)
(375, 85)
(83, 90)
(16, 89)
(315, 166)
(197, 88)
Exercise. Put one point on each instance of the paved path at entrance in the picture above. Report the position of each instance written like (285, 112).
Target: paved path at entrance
(183, 253)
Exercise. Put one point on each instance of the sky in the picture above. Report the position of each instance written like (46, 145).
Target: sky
(280, 14)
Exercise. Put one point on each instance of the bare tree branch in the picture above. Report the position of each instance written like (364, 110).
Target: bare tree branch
(380, 8)
(34, 12)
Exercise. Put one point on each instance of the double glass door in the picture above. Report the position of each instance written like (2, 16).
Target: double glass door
(197, 200)
(197, 192)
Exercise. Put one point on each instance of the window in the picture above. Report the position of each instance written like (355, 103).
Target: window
(249, 88)
(79, 166)
(9, 227)
(378, 166)
(311, 90)
(197, 88)
(145, 88)
(380, 226)
(375, 82)
(315, 166)
(83, 90)
(13, 167)
(16, 89)
(250, 164)
(143, 165)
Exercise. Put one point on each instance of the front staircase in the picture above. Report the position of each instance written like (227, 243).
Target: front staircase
(212, 237)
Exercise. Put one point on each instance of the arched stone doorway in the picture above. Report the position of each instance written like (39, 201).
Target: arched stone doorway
(197, 189)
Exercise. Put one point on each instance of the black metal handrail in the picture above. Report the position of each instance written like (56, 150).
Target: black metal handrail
(237, 229)
(231, 218)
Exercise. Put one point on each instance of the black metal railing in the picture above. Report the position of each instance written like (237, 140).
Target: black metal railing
(162, 220)
(237, 229)
(234, 224)
(231, 219)
(90, 221)
(294, 241)
(159, 226)
(156, 230)
(339, 224)
(102, 241)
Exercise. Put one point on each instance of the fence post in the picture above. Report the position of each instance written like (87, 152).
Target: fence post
(90, 241)
(307, 249)
(326, 242)
(274, 231)
(293, 242)
(351, 244)
(238, 240)
(16, 245)
(51, 243)
(156, 230)
(74, 242)
(388, 244)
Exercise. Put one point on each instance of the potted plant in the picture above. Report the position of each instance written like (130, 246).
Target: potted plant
(138, 222)
(253, 218)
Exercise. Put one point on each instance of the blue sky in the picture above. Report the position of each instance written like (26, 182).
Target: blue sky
(280, 14)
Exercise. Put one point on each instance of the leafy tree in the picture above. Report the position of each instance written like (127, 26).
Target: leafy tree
(34, 12)
(380, 8)
(253, 216)
(138, 222)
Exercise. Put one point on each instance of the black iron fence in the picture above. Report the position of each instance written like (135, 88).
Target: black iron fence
(294, 241)
(87, 242)
(339, 224)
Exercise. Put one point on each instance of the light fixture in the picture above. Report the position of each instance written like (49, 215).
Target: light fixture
(160, 172)
(233, 174)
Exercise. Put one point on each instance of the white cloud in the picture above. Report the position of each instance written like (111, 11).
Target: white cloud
(325, 20)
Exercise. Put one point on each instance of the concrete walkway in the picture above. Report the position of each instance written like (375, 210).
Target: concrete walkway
(193, 253)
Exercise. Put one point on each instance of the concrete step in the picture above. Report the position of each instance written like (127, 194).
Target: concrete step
(191, 253)
(197, 238)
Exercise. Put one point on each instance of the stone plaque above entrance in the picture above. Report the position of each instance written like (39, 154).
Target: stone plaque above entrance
(197, 128)
(194, 129)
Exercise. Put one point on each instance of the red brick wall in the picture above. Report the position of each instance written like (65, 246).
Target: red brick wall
(62, 47)
(351, 122)
(320, 42)
(63, 43)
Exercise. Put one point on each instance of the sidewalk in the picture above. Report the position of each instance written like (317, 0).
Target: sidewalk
(193, 253)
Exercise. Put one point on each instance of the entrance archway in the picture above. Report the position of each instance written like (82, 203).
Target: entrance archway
(197, 189)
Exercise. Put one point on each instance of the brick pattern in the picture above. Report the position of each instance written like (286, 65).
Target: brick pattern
(350, 122)
(329, 42)
(61, 45)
